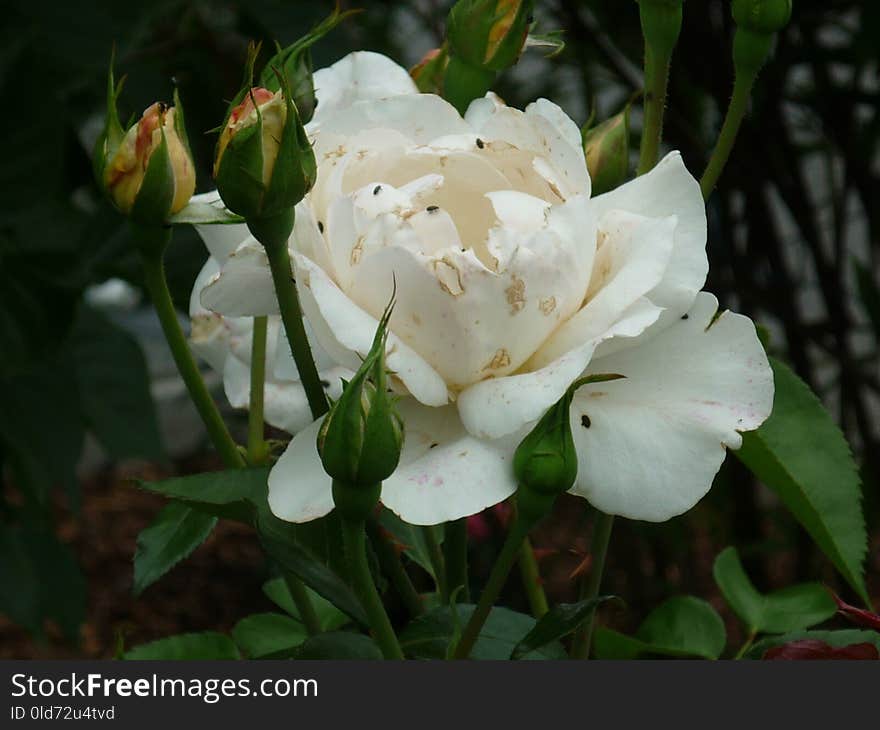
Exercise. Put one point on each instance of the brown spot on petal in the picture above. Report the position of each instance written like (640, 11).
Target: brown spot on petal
(547, 305)
(449, 277)
(516, 294)
(501, 359)
(357, 251)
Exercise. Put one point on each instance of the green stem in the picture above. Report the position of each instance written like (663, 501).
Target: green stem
(656, 82)
(152, 244)
(518, 532)
(291, 316)
(531, 577)
(303, 602)
(354, 536)
(736, 112)
(392, 566)
(750, 639)
(256, 445)
(456, 560)
(435, 555)
(580, 647)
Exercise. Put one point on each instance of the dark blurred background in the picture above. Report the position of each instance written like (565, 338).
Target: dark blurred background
(89, 401)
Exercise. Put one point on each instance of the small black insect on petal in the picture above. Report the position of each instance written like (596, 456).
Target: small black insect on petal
(320, 227)
(685, 316)
(432, 208)
(377, 190)
(480, 143)
(585, 421)
(434, 445)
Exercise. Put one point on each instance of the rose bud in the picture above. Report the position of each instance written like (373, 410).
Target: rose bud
(484, 37)
(545, 463)
(757, 22)
(149, 172)
(362, 435)
(762, 16)
(606, 148)
(428, 73)
(264, 164)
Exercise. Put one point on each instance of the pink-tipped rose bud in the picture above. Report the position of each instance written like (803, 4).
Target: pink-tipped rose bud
(126, 170)
(273, 111)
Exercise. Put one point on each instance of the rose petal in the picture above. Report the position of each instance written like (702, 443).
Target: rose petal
(344, 329)
(359, 76)
(669, 189)
(444, 473)
(299, 488)
(650, 445)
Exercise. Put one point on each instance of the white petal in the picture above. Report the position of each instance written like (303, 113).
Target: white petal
(359, 76)
(499, 406)
(669, 189)
(543, 129)
(469, 320)
(444, 473)
(650, 445)
(420, 117)
(221, 239)
(299, 488)
(344, 329)
(244, 286)
(630, 261)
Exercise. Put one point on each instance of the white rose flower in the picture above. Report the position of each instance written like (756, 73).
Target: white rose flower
(511, 282)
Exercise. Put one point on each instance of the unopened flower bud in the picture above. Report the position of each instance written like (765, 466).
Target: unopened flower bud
(489, 34)
(762, 16)
(545, 463)
(264, 163)
(661, 25)
(428, 73)
(150, 174)
(362, 435)
(757, 22)
(606, 148)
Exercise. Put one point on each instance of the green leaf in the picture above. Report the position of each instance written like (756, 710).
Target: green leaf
(208, 645)
(228, 494)
(39, 580)
(789, 609)
(839, 638)
(173, 535)
(280, 542)
(429, 636)
(339, 645)
(558, 622)
(114, 388)
(682, 626)
(801, 454)
(265, 634)
(412, 538)
(331, 618)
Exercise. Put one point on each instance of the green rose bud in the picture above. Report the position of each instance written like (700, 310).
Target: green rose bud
(606, 148)
(483, 37)
(264, 163)
(428, 73)
(757, 22)
(489, 34)
(147, 171)
(762, 16)
(362, 435)
(545, 463)
(661, 25)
